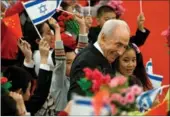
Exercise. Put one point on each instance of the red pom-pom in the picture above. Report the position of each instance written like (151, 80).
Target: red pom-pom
(61, 18)
(70, 17)
(62, 29)
(61, 23)
(68, 40)
(4, 80)
(64, 14)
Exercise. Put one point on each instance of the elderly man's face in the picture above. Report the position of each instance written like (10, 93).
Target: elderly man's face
(113, 48)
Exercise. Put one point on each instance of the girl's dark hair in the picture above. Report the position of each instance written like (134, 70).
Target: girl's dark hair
(139, 71)
(18, 77)
(8, 104)
(68, 49)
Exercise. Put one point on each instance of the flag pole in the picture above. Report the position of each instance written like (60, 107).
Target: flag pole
(140, 2)
(89, 7)
(33, 23)
(65, 11)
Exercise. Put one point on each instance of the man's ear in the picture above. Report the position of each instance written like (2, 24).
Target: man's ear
(103, 38)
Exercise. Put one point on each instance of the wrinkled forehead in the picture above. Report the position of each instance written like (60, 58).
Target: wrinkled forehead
(121, 31)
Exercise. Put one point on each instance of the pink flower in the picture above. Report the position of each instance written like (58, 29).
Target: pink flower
(130, 98)
(123, 101)
(122, 80)
(113, 109)
(88, 73)
(123, 90)
(117, 6)
(117, 81)
(115, 97)
(136, 90)
(113, 83)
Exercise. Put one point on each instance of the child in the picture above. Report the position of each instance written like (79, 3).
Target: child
(105, 13)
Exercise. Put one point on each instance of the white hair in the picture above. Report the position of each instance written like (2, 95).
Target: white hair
(110, 27)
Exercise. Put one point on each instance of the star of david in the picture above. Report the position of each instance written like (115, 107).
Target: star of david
(43, 8)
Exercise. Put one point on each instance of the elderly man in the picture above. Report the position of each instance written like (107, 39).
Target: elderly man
(112, 42)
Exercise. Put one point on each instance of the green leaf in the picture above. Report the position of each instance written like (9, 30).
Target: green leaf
(88, 93)
(7, 85)
(84, 84)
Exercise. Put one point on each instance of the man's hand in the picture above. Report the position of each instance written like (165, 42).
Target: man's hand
(26, 50)
(140, 22)
(44, 48)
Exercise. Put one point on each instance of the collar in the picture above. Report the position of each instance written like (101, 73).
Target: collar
(97, 46)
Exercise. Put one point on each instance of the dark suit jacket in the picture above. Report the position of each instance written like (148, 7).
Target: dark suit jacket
(89, 57)
(139, 39)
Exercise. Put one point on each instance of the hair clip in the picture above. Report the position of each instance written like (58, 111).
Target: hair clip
(136, 48)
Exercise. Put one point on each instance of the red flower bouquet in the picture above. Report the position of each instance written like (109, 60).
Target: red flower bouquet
(121, 96)
(68, 40)
(68, 23)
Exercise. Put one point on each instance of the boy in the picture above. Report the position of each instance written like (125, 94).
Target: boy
(105, 13)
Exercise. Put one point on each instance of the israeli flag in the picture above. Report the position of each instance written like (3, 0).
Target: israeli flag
(83, 106)
(155, 79)
(41, 10)
(146, 99)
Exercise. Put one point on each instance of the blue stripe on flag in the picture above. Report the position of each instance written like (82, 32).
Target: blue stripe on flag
(85, 102)
(149, 64)
(43, 17)
(144, 95)
(149, 101)
(154, 77)
(33, 3)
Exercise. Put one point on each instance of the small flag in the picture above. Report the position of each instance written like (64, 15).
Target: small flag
(84, 106)
(147, 98)
(41, 10)
(155, 79)
(14, 25)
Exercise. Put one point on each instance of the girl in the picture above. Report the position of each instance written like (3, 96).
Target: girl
(130, 64)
